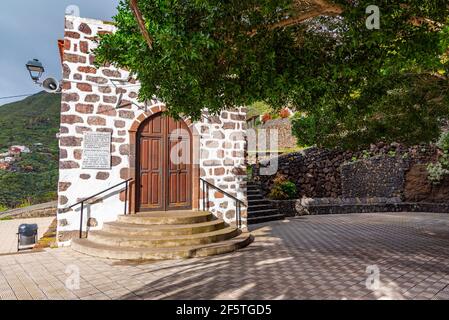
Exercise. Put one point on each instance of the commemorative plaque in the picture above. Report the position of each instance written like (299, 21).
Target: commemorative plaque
(96, 150)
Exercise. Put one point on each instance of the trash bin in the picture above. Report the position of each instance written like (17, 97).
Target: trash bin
(27, 235)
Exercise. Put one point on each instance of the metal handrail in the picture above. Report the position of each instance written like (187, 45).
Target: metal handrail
(238, 202)
(96, 195)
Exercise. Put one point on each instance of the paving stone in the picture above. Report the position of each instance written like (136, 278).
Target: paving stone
(312, 257)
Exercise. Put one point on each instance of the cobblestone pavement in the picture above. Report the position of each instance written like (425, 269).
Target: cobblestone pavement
(314, 257)
(8, 231)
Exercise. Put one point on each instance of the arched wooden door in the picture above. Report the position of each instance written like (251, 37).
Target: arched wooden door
(164, 153)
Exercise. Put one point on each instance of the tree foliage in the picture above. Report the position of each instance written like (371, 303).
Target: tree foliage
(351, 86)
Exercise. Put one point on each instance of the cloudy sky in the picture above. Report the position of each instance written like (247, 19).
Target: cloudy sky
(30, 29)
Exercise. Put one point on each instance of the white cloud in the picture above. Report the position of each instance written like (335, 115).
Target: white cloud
(30, 29)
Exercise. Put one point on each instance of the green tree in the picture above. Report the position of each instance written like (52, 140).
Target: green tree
(353, 86)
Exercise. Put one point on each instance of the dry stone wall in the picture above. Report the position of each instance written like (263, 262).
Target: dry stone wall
(320, 173)
(89, 101)
(375, 177)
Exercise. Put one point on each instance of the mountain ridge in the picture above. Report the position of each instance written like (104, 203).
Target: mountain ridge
(33, 122)
(34, 119)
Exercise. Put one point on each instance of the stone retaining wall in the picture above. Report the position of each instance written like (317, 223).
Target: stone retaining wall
(321, 173)
(301, 207)
(375, 177)
(36, 211)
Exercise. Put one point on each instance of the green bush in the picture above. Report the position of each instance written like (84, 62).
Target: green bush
(304, 128)
(282, 189)
(289, 188)
(438, 171)
(3, 208)
(443, 141)
(249, 172)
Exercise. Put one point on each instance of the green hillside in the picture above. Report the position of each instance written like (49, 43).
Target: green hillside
(33, 122)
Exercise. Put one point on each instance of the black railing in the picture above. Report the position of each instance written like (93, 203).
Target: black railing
(206, 185)
(82, 202)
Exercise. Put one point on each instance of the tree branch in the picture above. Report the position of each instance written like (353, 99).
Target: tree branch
(302, 17)
(141, 22)
(318, 8)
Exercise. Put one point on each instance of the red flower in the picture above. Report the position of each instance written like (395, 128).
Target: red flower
(266, 117)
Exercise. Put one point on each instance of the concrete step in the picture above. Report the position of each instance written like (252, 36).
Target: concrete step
(265, 212)
(253, 184)
(261, 219)
(111, 239)
(89, 247)
(132, 229)
(258, 202)
(258, 207)
(252, 197)
(167, 217)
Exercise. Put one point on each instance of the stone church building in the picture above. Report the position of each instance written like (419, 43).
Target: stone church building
(109, 140)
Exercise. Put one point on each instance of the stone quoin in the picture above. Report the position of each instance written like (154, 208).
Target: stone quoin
(216, 144)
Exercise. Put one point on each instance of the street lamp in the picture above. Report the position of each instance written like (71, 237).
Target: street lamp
(36, 69)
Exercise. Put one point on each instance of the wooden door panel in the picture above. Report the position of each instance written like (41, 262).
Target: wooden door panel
(156, 127)
(156, 155)
(144, 163)
(151, 170)
(180, 193)
(183, 180)
(143, 194)
(155, 194)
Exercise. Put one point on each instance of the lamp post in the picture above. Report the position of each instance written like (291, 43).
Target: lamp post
(36, 69)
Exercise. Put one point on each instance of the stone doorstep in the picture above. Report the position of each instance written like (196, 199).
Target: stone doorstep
(162, 230)
(134, 241)
(124, 253)
(162, 218)
(162, 235)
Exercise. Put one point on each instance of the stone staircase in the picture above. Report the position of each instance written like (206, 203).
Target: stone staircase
(163, 235)
(260, 209)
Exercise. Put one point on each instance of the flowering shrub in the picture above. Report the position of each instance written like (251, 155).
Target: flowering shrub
(443, 141)
(285, 113)
(437, 171)
(266, 117)
(283, 189)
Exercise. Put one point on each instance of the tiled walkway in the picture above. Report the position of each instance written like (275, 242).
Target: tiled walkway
(316, 257)
(8, 231)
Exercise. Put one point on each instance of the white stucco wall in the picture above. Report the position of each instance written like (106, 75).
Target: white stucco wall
(89, 104)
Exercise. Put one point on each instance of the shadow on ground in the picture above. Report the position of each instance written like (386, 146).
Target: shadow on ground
(322, 257)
